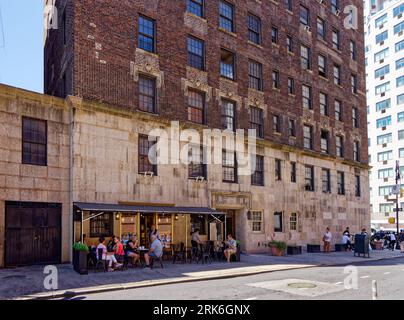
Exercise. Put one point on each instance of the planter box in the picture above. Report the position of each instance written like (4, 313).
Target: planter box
(277, 253)
(293, 250)
(339, 247)
(80, 262)
(313, 248)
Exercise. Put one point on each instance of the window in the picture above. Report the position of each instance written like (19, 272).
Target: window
(379, 22)
(336, 39)
(196, 53)
(227, 64)
(255, 75)
(398, 10)
(355, 117)
(386, 207)
(289, 43)
(34, 141)
(257, 221)
(226, 11)
(293, 221)
(309, 178)
(381, 37)
(292, 128)
(383, 122)
(228, 115)
(196, 167)
(334, 6)
(257, 178)
(196, 106)
(337, 74)
(400, 64)
(305, 57)
(274, 34)
(289, 5)
(381, 72)
(278, 223)
(277, 124)
(146, 36)
(326, 180)
(257, 121)
(352, 49)
(399, 27)
(320, 28)
(324, 141)
(275, 79)
(354, 84)
(254, 29)
(341, 182)
(356, 151)
(339, 144)
(400, 99)
(399, 46)
(381, 55)
(195, 7)
(401, 152)
(323, 104)
(384, 139)
(382, 88)
(278, 170)
(308, 136)
(400, 81)
(322, 65)
(357, 186)
(147, 94)
(385, 191)
(145, 163)
(293, 172)
(291, 86)
(386, 173)
(229, 166)
(400, 117)
(338, 110)
(306, 94)
(401, 135)
(101, 225)
(384, 156)
(304, 15)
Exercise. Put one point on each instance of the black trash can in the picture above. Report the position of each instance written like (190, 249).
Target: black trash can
(362, 242)
(313, 248)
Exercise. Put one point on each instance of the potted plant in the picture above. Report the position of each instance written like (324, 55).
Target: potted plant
(278, 248)
(80, 253)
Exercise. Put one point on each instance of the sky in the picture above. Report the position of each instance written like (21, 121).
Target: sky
(21, 44)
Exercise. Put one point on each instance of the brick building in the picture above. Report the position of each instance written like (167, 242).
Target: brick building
(289, 69)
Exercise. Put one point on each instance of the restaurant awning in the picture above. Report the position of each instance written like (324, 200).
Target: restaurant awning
(143, 209)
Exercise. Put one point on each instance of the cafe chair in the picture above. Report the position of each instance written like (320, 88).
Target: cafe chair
(205, 253)
(101, 263)
(179, 253)
(159, 259)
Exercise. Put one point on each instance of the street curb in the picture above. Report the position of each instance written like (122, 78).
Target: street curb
(152, 283)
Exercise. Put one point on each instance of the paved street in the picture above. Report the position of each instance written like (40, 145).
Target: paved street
(325, 283)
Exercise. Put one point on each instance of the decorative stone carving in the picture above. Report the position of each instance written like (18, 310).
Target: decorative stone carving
(198, 80)
(256, 99)
(197, 24)
(147, 63)
(308, 116)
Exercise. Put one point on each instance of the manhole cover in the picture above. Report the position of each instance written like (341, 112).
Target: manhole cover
(302, 285)
(14, 277)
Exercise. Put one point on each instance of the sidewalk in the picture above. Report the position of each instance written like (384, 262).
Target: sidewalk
(27, 282)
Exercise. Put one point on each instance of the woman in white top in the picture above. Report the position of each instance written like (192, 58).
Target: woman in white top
(110, 258)
(327, 240)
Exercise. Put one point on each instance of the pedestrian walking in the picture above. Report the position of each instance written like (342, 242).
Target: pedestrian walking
(401, 239)
(327, 240)
(393, 241)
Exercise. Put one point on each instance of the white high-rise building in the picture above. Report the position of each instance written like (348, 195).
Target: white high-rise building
(384, 36)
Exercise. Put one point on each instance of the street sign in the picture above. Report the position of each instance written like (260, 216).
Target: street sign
(395, 190)
(391, 200)
(399, 209)
(392, 220)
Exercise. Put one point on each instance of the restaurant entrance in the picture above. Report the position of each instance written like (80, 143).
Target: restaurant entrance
(146, 221)
(231, 223)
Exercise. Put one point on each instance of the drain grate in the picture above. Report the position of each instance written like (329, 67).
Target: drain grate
(302, 285)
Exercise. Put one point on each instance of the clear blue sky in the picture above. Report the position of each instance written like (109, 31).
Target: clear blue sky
(21, 48)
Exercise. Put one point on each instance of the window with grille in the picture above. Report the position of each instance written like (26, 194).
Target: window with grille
(324, 141)
(277, 125)
(308, 137)
(196, 106)
(34, 141)
(291, 86)
(326, 180)
(293, 221)
(341, 182)
(278, 170)
(274, 34)
(309, 178)
(195, 7)
(256, 221)
(229, 115)
(196, 166)
(338, 110)
(306, 97)
(293, 172)
(147, 94)
(320, 28)
(304, 16)
(323, 104)
(322, 66)
(289, 43)
(339, 144)
(254, 29)
(146, 164)
(305, 57)
(292, 128)
(196, 53)
(227, 64)
(146, 34)
(255, 75)
(229, 166)
(337, 74)
(336, 39)
(275, 79)
(257, 121)
(101, 226)
(257, 178)
(357, 186)
(355, 117)
(226, 12)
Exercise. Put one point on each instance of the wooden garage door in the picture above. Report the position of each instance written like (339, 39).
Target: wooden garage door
(33, 233)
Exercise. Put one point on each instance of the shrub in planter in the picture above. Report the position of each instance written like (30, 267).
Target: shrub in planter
(80, 253)
(278, 248)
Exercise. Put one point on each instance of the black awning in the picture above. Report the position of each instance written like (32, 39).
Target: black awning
(143, 209)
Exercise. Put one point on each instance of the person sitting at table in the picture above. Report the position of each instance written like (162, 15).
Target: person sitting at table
(130, 252)
(346, 241)
(111, 244)
(118, 250)
(155, 251)
(232, 247)
(112, 262)
(135, 241)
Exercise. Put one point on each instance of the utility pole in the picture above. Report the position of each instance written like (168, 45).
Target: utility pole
(398, 188)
